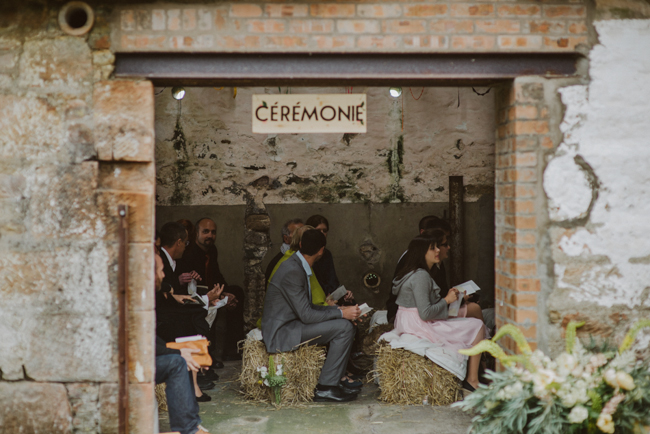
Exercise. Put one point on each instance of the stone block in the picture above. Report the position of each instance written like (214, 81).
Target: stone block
(71, 348)
(124, 120)
(142, 327)
(108, 414)
(57, 65)
(31, 130)
(258, 222)
(140, 214)
(29, 407)
(141, 277)
(142, 408)
(62, 201)
(84, 404)
(68, 280)
(127, 177)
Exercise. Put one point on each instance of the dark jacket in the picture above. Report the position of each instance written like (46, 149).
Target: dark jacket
(195, 259)
(175, 320)
(271, 266)
(325, 273)
(161, 348)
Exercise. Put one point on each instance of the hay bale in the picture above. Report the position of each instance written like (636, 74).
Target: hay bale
(369, 346)
(161, 397)
(407, 378)
(301, 367)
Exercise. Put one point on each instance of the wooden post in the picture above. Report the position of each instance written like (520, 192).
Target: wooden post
(456, 221)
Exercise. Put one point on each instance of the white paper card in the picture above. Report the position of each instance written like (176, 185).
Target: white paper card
(221, 303)
(336, 295)
(190, 338)
(365, 308)
(468, 287)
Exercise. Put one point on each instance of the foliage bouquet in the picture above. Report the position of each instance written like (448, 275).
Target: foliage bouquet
(580, 392)
(273, 377)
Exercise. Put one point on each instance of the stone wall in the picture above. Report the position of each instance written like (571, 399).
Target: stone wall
(74, 145)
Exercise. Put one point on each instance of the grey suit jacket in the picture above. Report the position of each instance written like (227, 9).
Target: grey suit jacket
(287, 307)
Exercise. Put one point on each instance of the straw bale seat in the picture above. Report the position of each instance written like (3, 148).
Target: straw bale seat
(161, 397)
(301, 366)
(408, 378)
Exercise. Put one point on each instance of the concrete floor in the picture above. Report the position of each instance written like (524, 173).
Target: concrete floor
(229, 413)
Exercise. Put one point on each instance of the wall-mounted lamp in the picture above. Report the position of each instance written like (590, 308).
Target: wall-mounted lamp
(395, 92)
(178, 93)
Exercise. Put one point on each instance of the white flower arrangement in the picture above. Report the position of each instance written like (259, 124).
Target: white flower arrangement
(275, 381)
(581, 391)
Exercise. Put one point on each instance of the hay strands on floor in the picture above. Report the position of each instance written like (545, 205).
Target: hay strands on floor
(301, 366)
(407, 378)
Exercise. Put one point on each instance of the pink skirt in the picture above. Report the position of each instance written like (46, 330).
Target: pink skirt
(453, 333)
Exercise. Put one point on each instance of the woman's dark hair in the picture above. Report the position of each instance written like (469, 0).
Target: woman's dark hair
(317, 219)
(414, 257)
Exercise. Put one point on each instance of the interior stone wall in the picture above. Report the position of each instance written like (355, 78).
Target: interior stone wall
(206, 152)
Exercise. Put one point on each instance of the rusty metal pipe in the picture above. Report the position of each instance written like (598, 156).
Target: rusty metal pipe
(456, 222)
(123, 328)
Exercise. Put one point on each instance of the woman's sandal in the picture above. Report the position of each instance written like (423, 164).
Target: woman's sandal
(468, 386)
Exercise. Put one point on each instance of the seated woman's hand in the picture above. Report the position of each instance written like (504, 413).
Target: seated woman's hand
(330, 302)
(452, 296)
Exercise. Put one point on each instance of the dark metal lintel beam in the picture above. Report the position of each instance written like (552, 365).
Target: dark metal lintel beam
(332, 69)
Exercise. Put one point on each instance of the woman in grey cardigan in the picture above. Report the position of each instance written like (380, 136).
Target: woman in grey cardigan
(423, 313)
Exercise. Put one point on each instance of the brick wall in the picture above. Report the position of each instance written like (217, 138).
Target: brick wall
(522, 139)
(523, 25)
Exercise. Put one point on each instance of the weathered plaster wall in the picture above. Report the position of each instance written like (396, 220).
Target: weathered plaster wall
(73, 145)
(597, 188)
(206, 152)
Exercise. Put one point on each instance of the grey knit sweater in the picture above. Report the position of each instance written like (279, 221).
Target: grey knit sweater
(417, 289)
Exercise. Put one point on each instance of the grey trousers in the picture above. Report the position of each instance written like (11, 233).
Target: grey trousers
(340, 335)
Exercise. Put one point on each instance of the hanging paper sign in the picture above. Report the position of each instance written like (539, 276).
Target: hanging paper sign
(303, 113)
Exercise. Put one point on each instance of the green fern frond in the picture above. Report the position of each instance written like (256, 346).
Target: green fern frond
(596, 400)
(571, 334)
(516, 334)
(631, 335)
(485, 346)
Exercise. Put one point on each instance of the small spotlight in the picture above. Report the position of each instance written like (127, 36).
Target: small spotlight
(395, 92)
(178, 93)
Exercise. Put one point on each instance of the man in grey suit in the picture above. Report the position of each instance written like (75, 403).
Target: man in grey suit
(290, 318)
